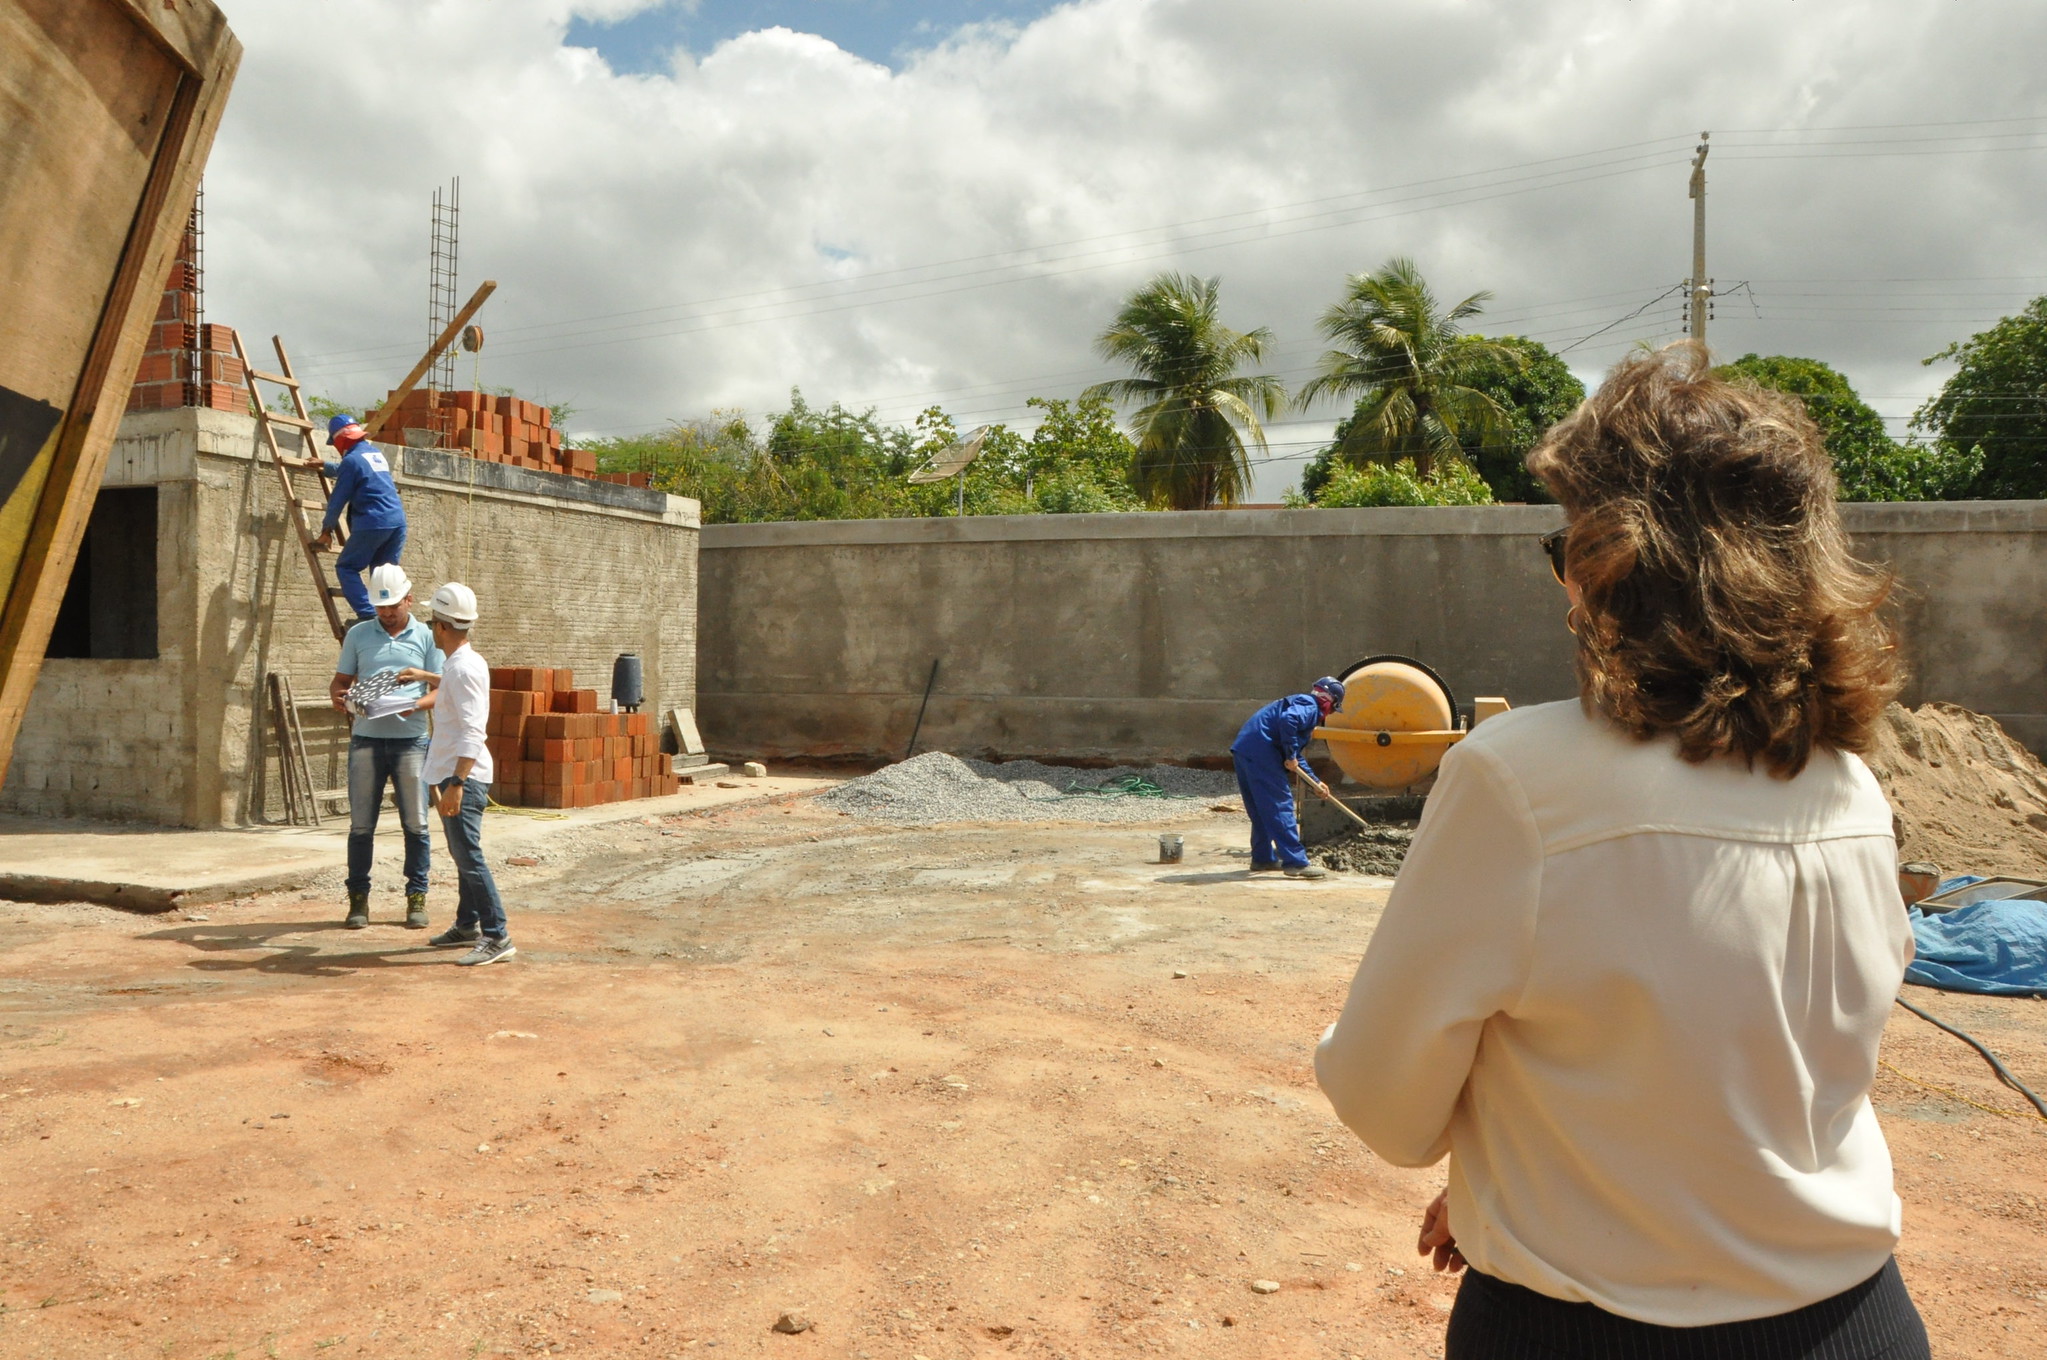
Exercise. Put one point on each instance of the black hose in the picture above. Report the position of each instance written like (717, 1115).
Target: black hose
(2003, 1073)
(911, 749)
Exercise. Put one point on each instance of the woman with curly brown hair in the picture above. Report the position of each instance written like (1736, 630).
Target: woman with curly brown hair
(1634, 971)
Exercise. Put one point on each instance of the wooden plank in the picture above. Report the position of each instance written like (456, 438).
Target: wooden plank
(194, 31)
(374, 426)
(45, 148)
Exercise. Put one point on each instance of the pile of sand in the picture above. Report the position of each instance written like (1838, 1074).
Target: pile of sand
(1967, 797)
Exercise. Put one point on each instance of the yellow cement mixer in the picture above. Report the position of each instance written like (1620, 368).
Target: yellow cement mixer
(1397, 720)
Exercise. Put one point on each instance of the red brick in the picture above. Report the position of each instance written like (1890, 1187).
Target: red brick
(223, 368)
(219, 396)
(160, 366)
(172, 335)
(217, 339)
(554, 796)
(573, 701)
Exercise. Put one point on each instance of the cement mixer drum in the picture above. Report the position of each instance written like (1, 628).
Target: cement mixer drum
(1403, 718)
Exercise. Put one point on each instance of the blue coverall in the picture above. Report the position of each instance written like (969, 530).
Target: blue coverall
(376, 520)
(1275, 734)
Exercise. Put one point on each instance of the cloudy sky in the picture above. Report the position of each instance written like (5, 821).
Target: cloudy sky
(696, 205)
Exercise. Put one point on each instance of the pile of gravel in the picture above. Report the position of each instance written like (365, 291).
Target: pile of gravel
(936, 787)
(1367, 850)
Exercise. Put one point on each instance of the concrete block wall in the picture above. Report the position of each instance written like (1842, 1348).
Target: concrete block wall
(568, 572)
(1152, 636)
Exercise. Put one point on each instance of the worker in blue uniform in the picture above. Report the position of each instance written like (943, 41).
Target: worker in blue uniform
(376, 518)
(1266, 751)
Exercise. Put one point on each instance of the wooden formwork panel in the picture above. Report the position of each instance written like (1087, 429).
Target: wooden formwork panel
(107, 111)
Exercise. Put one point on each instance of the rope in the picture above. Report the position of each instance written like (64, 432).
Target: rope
(1951, 1095)
(539, 814)
(1129, 786)
(2003, 1073)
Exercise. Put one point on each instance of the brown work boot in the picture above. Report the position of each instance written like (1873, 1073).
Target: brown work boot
(415, 911)
(358, 911)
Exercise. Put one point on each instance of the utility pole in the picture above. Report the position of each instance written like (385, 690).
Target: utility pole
(1699, 294)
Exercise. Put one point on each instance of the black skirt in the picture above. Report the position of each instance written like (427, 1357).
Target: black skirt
(1494, 1320)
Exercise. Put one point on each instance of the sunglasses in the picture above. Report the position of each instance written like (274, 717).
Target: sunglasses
(1553, 546)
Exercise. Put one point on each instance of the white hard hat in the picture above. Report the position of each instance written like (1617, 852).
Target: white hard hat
(454, 604)
(389, 584)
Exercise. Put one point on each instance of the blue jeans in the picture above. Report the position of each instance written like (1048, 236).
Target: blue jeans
(366, 548)
(371, 762)
(1269, 800)
(478, 907)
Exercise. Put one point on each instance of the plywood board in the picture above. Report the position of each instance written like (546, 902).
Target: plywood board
(107, 110)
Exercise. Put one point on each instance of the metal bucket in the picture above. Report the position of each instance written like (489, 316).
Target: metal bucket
(1170, 848)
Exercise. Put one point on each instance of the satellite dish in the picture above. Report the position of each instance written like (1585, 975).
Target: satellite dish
(951, 460)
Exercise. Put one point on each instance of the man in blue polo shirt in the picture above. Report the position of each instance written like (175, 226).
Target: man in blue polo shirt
(386, 747)
(376, 518)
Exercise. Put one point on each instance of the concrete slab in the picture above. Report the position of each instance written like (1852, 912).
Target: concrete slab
(155, 869)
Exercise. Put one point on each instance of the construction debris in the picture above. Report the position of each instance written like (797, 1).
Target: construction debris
(937, 787)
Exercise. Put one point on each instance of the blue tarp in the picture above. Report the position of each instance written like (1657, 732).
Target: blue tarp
(1998, 948)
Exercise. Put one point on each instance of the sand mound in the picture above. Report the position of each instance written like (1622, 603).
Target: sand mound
(1967, 797)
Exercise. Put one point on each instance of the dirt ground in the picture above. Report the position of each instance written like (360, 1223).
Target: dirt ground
(943, 1092)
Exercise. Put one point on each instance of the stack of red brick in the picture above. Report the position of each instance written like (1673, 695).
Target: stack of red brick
(188, 364)
(552, 748)
(495, 428)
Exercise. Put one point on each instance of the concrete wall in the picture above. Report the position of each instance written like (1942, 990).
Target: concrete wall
(1154, 635)
(567, 572)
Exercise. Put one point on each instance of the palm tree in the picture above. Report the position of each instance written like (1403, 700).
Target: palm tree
(1197, 410)
(1400, 354)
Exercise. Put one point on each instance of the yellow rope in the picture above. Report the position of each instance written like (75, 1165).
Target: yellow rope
(493, 805)
(1951, 1095)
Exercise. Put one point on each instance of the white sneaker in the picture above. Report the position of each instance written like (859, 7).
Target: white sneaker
(488, 951)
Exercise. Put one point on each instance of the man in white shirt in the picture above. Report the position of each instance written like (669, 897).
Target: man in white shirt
(458, 770)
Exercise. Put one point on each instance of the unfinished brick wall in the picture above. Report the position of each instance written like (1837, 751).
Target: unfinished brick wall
(188, 363)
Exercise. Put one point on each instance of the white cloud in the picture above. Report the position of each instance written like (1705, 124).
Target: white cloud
(782, 213)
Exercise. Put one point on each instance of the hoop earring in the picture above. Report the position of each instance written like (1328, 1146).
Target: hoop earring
(1571, 620)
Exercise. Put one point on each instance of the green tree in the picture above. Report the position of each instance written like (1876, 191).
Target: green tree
(1196, 410)
(1398, 353)
(1994, 408)
(1399, 483)
(1537, 392)
(1077, 461)
(830, 463)
(1868, 464)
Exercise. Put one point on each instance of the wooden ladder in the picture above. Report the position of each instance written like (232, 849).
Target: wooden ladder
(308, 461)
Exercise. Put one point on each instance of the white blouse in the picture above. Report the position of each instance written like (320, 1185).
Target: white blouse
(1638, 1002)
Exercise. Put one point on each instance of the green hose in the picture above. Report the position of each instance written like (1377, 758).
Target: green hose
(1129, 786)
